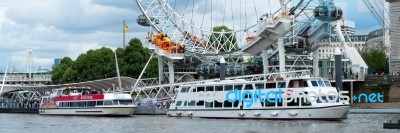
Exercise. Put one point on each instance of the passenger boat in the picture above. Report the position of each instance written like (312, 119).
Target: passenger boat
(86, 101)
(278, 98)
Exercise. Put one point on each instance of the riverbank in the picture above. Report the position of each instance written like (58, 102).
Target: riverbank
(391, 105)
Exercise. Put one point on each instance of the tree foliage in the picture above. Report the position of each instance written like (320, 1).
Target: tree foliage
(375, 58)
(100, 63)
(226, 39)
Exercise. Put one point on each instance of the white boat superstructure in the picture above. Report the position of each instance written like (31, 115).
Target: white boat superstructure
(278, 98)
(84, 101)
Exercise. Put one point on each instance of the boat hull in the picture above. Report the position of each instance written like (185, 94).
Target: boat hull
(95, 111)
(318, 113)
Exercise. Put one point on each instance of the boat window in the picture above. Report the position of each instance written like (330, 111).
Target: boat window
(228, 87)
(305, 84)
(333, 98)
(279, 103)
(66, 92)
(248, 87)
(185, 103)
(314, 83)
(200, 103)
(81, 104)
(269, 104)
(236, 103)
(73, 104)
(217, 104)
(108, 102)
(178, 103)
(321, 83)
(63, 104)
(260, 86)
(125, 102)
(294, 102)
(219, 88)
(227, 104)
(99, 103)
(192, 103)
(270, 85)
(238, 87)
(192, 89)
(209, 88)
(44, 100)
(116, 102)
(247, 96)
(281, 84)
(199, 89)
(184, 89)
(209, 105)
(305, 102)
(327, 83)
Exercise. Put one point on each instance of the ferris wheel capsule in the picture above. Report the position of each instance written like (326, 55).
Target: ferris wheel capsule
(328, 12)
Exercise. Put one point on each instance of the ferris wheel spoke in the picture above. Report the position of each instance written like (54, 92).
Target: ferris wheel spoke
(198, 36)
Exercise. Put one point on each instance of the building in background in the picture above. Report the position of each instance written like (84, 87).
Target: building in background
(348, 27)
(327, 49)
(375, 40)
(57, 62)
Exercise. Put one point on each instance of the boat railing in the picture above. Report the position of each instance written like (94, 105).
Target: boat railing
(256, 77)
(170, 89)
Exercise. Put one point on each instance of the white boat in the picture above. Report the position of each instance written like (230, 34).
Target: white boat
(86, 101)
(263, 99)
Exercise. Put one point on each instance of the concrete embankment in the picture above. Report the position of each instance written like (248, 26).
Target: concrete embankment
(20, 110)
(374, 111)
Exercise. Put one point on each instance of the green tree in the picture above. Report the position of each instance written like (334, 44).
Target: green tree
(226, 39)
(58, 72)
(376, 58)
(134, 58)
(100, 63)
(94, 64)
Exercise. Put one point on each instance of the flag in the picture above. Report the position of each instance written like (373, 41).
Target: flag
(126, 28)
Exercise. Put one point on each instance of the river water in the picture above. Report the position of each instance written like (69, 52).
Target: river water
(29, 123)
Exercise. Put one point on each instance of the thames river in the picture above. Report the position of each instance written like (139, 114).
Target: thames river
(28, 123)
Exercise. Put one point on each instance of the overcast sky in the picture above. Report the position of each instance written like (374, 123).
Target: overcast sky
(59, 28)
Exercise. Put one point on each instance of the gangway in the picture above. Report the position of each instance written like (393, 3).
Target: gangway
(268, 34)
(358, 64)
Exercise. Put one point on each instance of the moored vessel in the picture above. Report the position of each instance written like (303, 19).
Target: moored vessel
(86, 101)
(279, 97)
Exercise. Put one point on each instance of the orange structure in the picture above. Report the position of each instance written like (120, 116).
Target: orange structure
(250, 38)
(163, 42)
(190, 36)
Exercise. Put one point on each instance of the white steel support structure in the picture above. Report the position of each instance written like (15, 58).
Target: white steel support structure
(264, 55)
(281, 49)
(386, 27)
(171, 71)
(160, 70)
(315, 62)
(29, 61)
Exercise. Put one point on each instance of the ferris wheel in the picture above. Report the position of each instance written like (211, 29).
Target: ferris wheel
(210, 27)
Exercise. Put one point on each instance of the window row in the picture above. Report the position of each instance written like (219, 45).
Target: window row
(95, 103)
(234, 87)
(227, 104)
